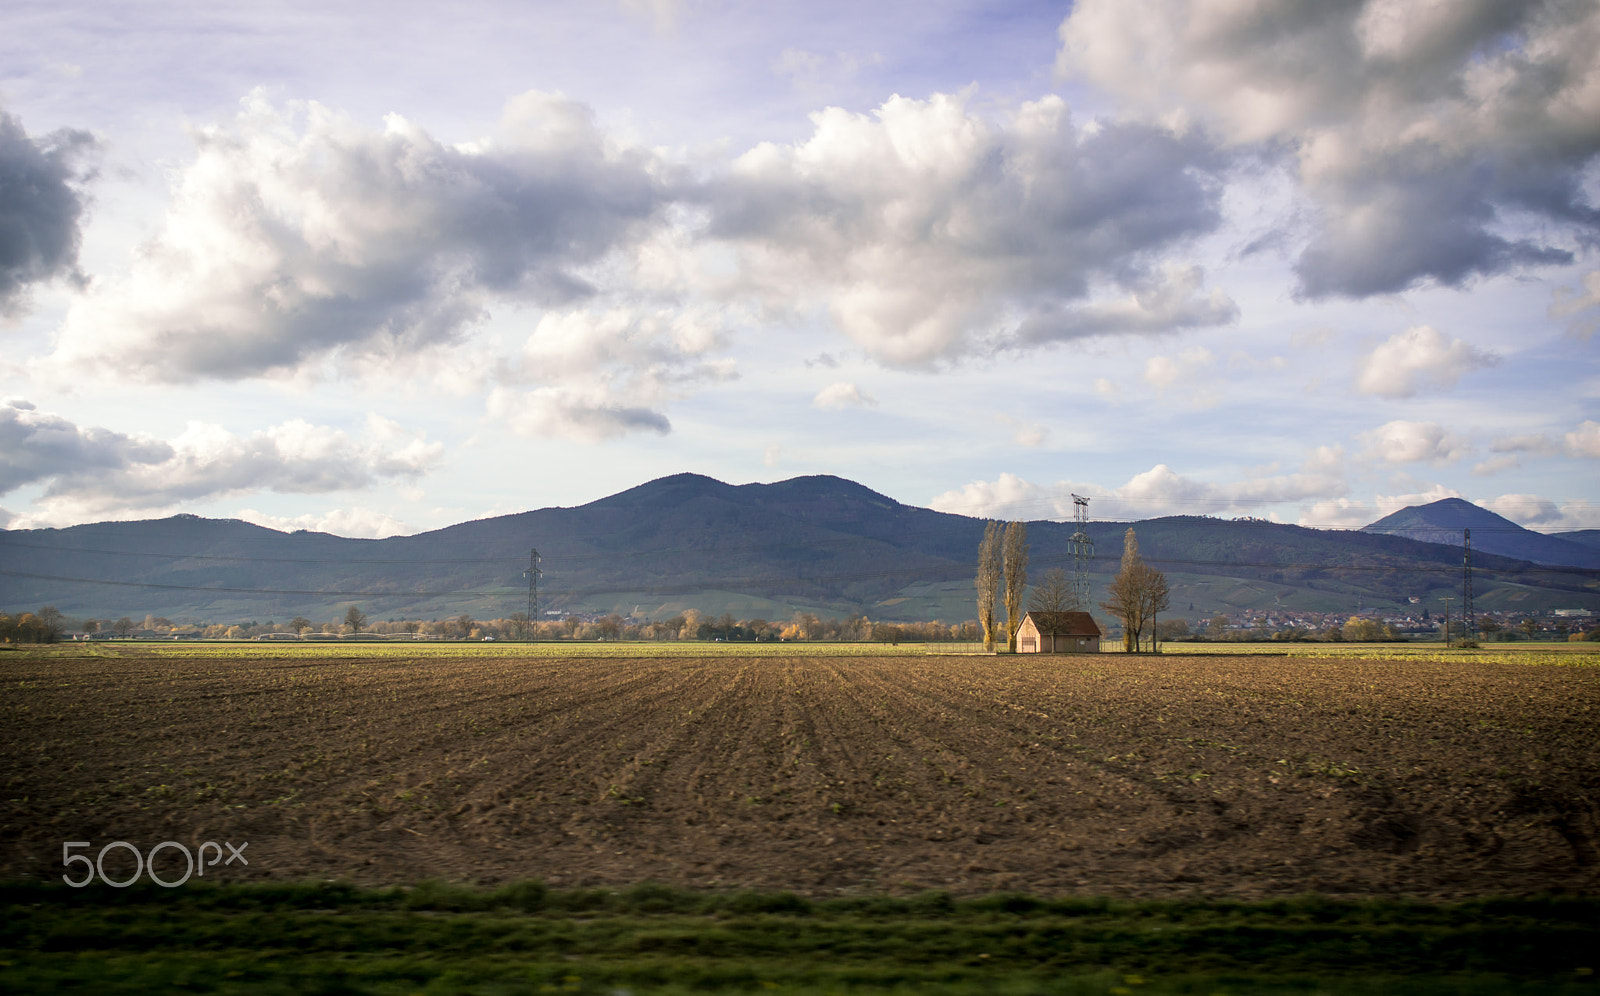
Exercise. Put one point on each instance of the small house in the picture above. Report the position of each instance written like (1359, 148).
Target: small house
(1058, 633)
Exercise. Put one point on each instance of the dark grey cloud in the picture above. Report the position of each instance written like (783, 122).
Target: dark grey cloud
(40, 207)
(37, 446)
(1438, 142)
(1385, 234)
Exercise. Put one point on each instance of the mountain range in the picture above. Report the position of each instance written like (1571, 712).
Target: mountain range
(821, 544)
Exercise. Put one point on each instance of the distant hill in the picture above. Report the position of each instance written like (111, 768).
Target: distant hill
(1583, 537)
(1442, 522)
(820, 544)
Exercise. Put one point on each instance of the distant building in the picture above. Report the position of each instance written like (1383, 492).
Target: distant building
(1058, 633)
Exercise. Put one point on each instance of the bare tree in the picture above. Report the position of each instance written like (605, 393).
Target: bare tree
(1155, 595)
(52, 620)
(355, 619)
(988, 580)
(1137, 593)
(1016, 568)
(1054, 593)
(519, 624)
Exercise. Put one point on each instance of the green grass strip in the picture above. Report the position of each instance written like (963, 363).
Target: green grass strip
(524, 938)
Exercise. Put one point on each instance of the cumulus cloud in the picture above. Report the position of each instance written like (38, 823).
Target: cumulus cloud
(1580, 308)
(37, 446)
(1162, 372)
(1544, 514)
(1525, 510)
(1350, 513)
(1420, 130)
(1029, 434)
(927, 230)
(600, 374)
(815, 73)
(843, 395)
(1418, 359)
(1156, 492)
(1496, 465)
(1401, 441)
(93, 473)
(359, 523)
(1167, 300)
(1582, 442)
(40, 208)
(1338, 513)
(1585, 440)
(296, 235)
(587, 414)
(1537, 444)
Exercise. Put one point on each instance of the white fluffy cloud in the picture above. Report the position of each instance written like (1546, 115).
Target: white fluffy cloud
(599, 374)
(1162, 372)
(1526, 510)
(1415, 360)
(1156, 492)
(93, 473)
(1350, 513)
(927, 230)
(1541, 513)
(1585, 440)
(843, 395)
(1580, 308)
(1582, 442)
(298, 235)
(1029, 434)
(1419, 129)
(361, 523)
(1401, 441)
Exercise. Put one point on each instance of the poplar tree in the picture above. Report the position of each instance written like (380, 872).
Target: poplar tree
(1016, 569)
(988, 580)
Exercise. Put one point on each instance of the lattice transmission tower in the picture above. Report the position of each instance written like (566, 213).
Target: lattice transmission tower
(1469, 625)
(532, 574)
(1082, 549)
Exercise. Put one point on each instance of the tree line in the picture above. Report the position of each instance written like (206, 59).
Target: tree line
(48, 624)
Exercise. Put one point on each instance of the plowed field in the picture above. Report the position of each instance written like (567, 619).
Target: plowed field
(1135, 776)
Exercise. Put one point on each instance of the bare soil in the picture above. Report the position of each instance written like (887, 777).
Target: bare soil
(1225, 776)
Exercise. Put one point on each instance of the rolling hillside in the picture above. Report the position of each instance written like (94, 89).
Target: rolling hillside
(815, 543)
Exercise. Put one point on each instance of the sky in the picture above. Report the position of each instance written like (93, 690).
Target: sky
(377, 268)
